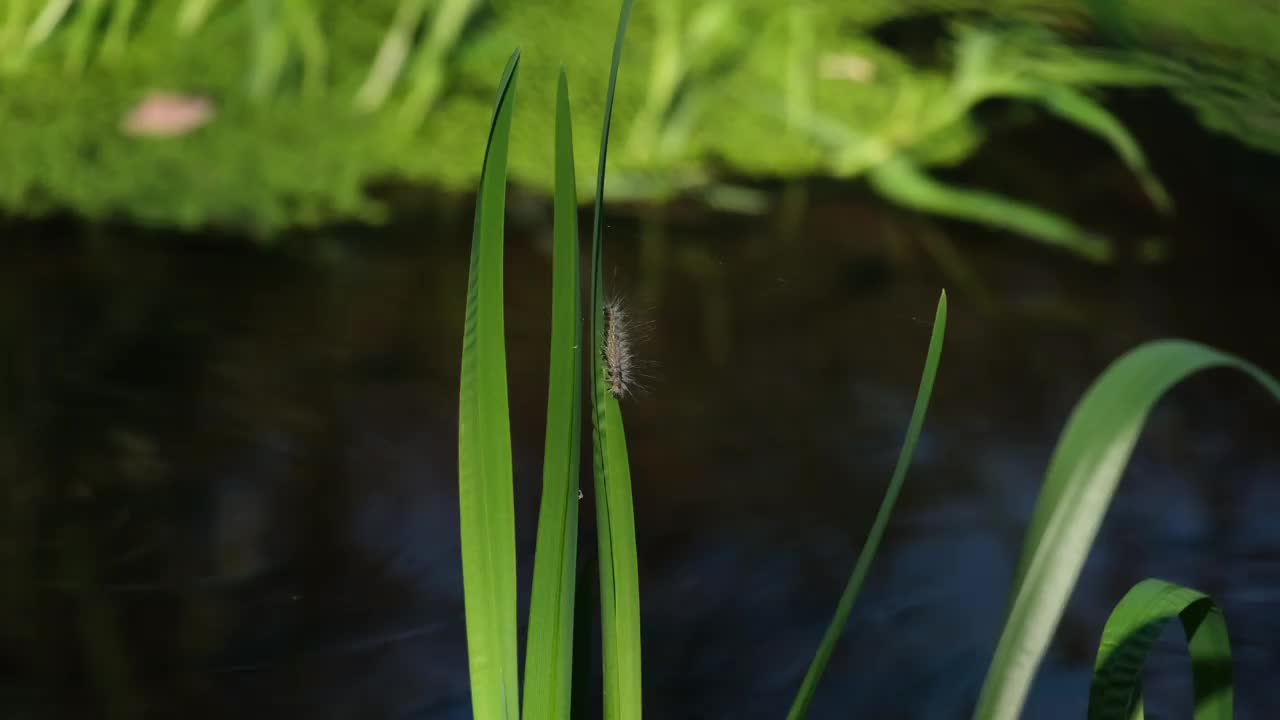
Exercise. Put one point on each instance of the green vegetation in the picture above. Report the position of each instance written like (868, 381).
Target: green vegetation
(485, 464)
(313, 104)
(615, 516)
(549, 660)
(1087, 464)
(1131, 631)
(484, 446)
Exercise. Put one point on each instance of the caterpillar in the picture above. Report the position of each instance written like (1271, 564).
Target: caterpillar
(619, 361)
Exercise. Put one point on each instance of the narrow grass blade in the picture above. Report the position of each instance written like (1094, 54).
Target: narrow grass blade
(83, 31)
(1086, 466)
(192, 15)
(548, 663)
(584, 638)
(270, 49)
(619, 565)
(48, 19)
(800, 706)
(1131, 631)
(1085, 112)
(901, 181)
(302, 22)
(117, 34)
(487, 516)
(391, 56)
(615, 516)
(428, 72)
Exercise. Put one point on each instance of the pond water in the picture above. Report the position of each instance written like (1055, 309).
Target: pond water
(230, 489)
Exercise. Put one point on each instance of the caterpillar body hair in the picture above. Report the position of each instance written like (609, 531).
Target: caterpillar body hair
(619, 357)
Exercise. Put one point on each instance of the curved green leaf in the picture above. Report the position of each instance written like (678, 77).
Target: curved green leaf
(901, 181)
(548, 673)
(615, 516)
(1087, 464)
(1132, 629)
(487, 516)
(1090, 115)
(800, 707)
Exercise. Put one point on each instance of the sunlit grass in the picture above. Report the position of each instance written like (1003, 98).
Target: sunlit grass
(318, 102)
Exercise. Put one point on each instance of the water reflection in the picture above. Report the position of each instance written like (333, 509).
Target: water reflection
(230, 480)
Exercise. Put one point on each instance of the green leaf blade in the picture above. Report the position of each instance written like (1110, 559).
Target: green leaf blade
(1087, 464)
(1085, 112)
(800, 706)
(901, 181)
(615, 514)
(620, 573)
(1131, 631)
(486, 504)
(549, 655)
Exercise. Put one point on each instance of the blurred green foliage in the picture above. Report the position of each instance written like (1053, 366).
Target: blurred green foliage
(316, 101)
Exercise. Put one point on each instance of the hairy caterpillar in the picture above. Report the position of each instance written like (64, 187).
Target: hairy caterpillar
(619, 360)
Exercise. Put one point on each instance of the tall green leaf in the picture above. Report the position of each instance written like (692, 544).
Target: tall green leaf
(1131, 631)
(800, 707)
(619, 566)
(584, 639)
(548, 674)
(615, 516)
(487, 515)
(1086, 466)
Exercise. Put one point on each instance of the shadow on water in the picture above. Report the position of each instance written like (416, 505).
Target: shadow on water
(230, 480)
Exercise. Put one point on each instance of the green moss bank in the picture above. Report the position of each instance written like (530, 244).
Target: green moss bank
(315, 101)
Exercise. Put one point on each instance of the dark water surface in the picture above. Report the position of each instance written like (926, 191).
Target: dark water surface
(230, 491)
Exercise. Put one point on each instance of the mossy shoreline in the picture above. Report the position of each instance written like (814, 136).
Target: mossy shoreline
(306, 118)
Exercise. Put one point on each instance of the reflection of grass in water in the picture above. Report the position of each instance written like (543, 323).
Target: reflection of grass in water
(109, 659)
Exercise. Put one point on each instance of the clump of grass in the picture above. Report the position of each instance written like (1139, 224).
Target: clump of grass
(1087, 464)
(485, 490)
(485, 484)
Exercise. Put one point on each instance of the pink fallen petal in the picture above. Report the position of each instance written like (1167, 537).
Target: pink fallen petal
(168, 115)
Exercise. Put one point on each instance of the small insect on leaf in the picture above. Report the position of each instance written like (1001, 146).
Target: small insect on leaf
(620, 365)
